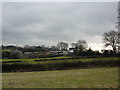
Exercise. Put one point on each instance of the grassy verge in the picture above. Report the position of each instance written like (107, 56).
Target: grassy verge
(79, 78)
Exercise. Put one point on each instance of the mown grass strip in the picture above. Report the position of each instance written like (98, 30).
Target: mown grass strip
(77, 78)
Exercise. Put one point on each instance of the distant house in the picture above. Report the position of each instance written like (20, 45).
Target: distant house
(58, 52)
(71, 50)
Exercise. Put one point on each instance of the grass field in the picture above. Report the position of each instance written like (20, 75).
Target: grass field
(57, 63)
(32, 61)
(76, 78)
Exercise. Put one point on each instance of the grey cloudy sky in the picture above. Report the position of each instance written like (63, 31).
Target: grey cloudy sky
(49, 23)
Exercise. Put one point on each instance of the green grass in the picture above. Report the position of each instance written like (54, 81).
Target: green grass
(74, 60)
(7, 50)
(102, 58)
(77, 78)
(31, 61)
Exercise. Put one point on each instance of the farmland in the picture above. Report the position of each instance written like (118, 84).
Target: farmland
(56, 59)
(76, 78)
(57, 63)
(33, 59)
(60, 72)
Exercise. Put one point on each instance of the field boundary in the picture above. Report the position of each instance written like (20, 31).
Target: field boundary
(58, 65)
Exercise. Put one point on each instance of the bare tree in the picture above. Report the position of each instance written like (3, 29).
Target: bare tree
(62, 46)
(81, 45)
(111, 39)
(73, 45)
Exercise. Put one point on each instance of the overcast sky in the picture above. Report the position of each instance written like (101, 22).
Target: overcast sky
(49, 23)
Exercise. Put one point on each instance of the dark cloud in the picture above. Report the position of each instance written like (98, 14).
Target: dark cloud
(49, 23)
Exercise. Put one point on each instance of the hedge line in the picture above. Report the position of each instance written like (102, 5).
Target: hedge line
(58, 65)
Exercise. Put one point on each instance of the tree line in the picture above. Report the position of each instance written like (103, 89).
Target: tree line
(80, 47)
